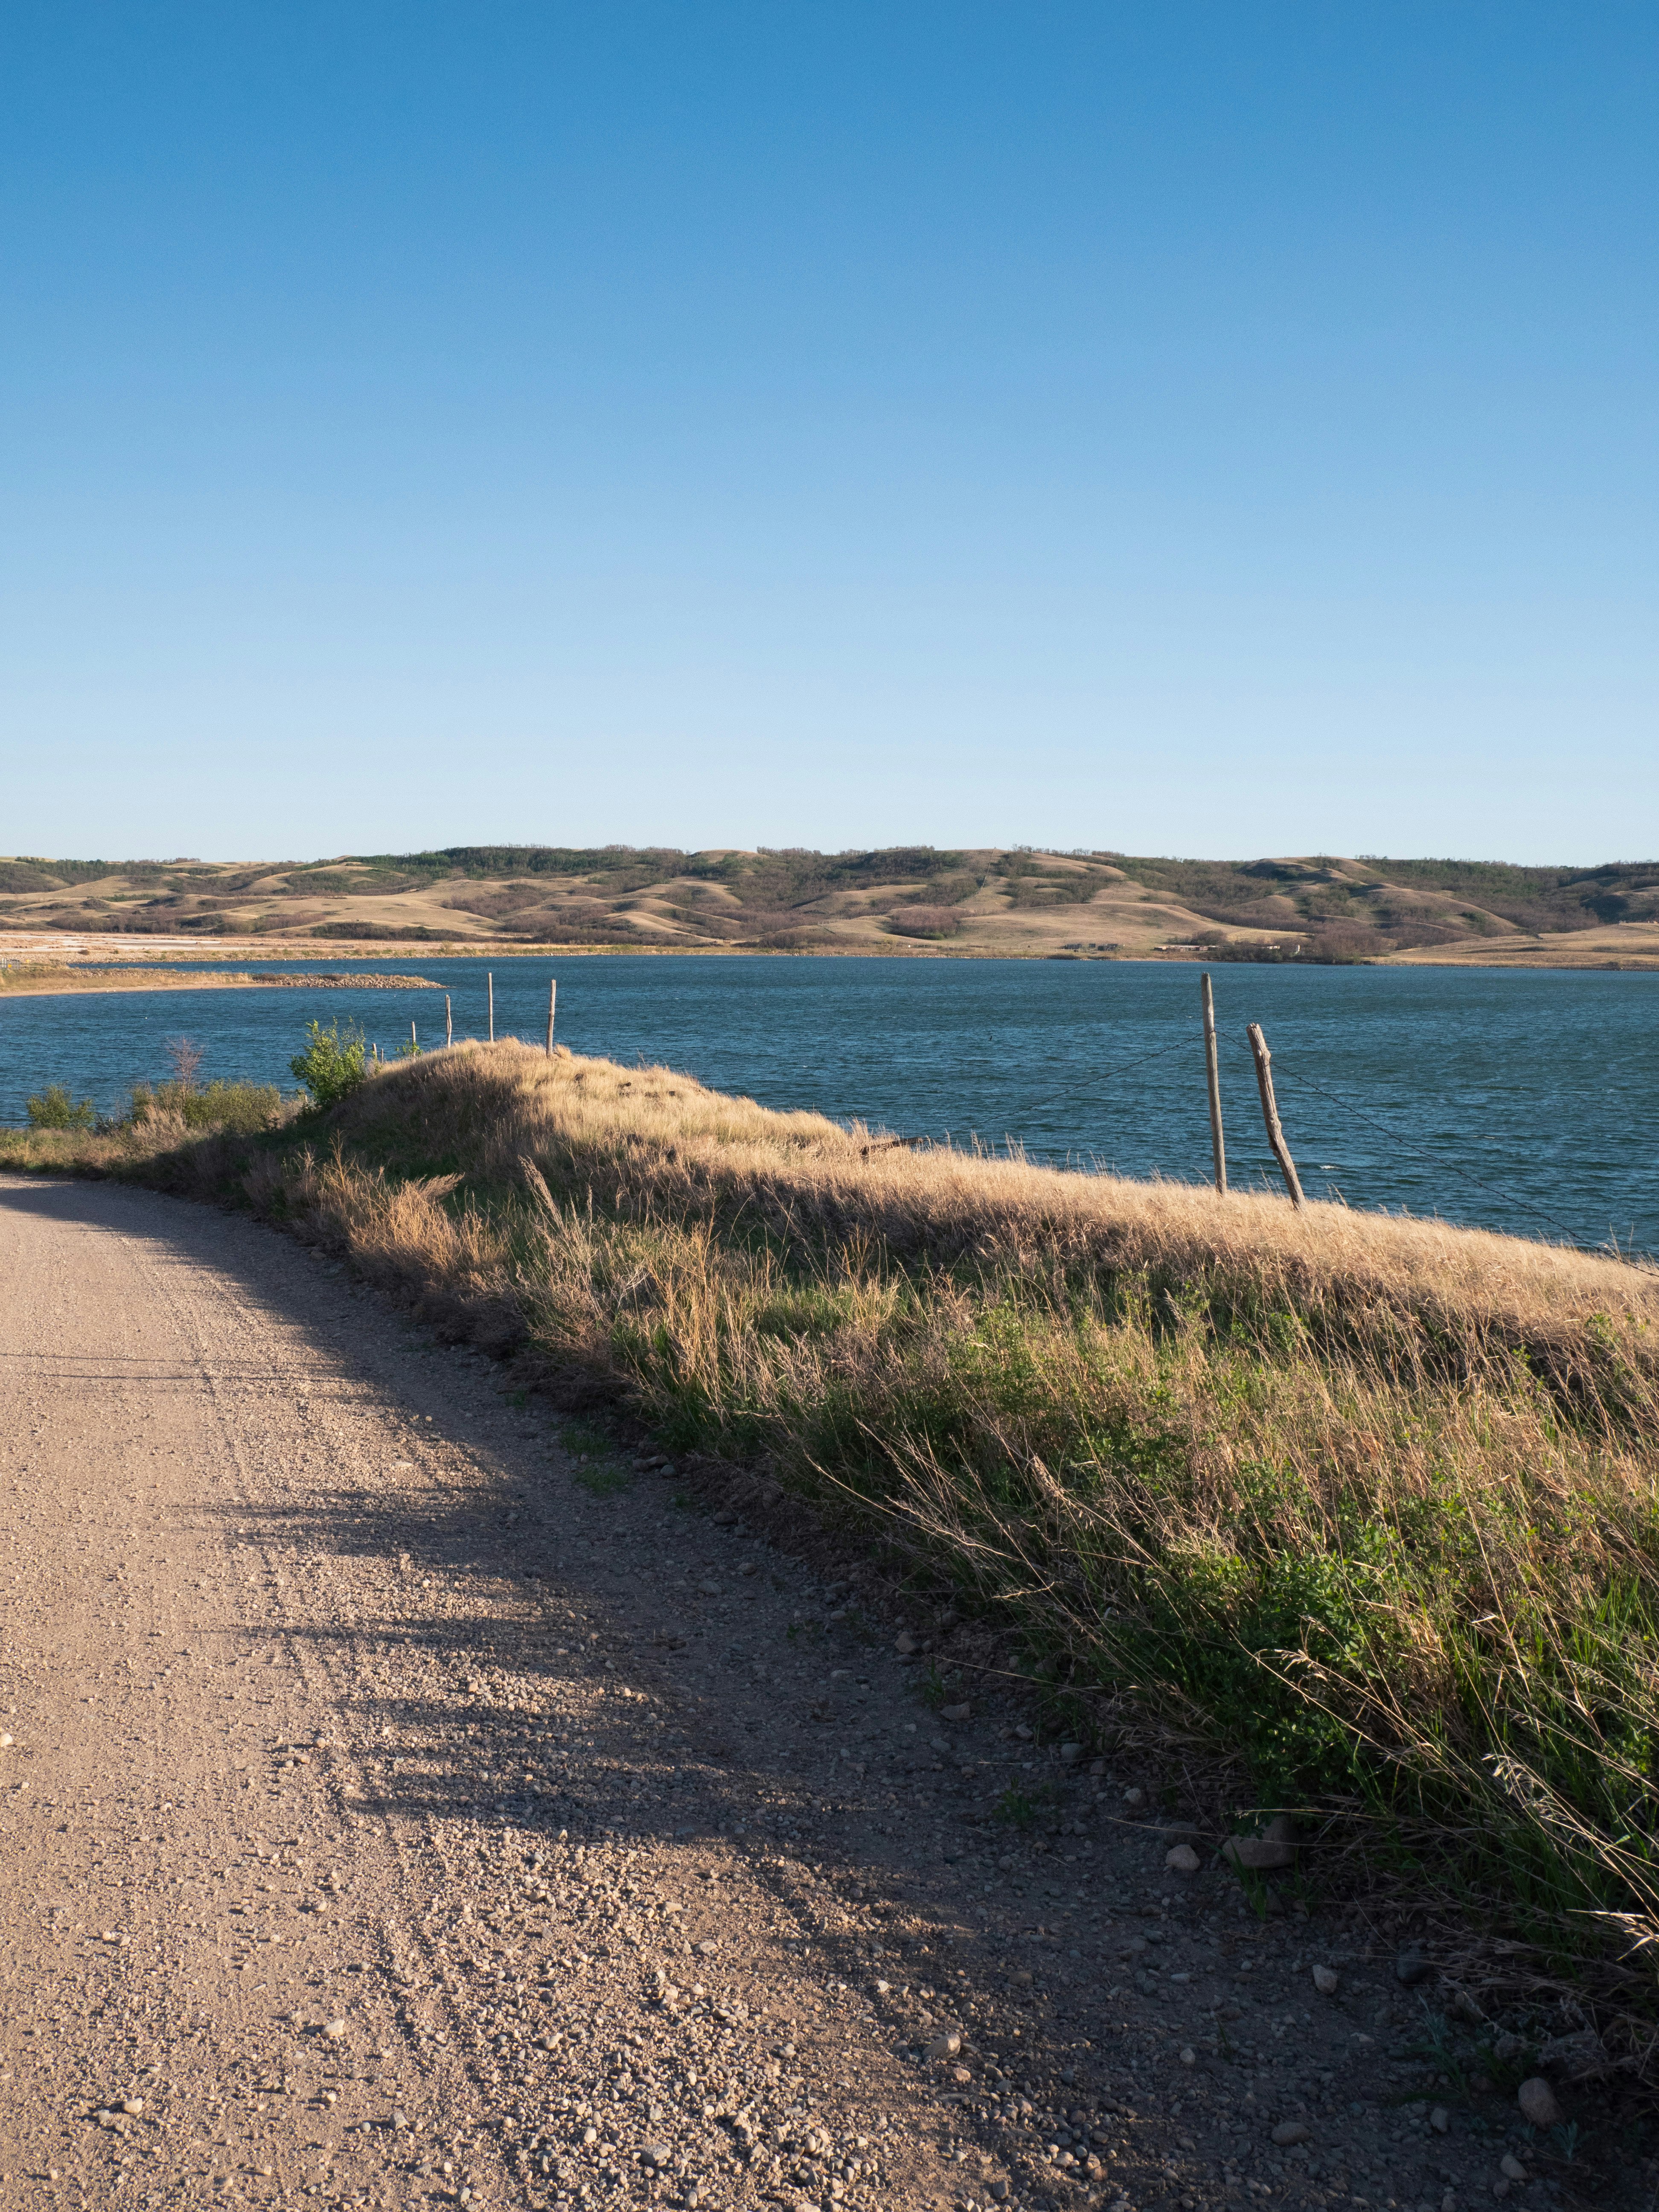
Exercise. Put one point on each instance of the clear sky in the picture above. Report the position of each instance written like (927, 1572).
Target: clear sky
(1180, 428)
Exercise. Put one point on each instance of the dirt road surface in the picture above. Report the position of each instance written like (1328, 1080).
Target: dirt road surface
(404, 1800)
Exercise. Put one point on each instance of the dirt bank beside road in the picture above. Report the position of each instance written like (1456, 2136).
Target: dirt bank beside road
(407, 1800)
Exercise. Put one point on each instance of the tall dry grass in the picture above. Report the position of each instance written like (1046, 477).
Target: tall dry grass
(1370, 1502)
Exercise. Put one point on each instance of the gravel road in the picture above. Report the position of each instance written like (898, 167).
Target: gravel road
(404, 1798)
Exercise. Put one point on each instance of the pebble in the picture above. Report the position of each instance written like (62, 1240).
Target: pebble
(1440, 2120)
(657, 2154)
(1070, 1753)
(1291, 2131)
(1411, 1967)
(943, 2046)
(1274, 1847)
(1512, 2167)
(956, 1713)
(904, 1644)
(132, 2106)
(6, 1741)
(1580, 2056)
(1134, 1797)
(1183, 1859)
(334, 2030)
(1537, 2102)
(1327, 1981)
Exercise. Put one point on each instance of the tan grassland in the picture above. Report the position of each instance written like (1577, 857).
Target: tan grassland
(1368, 1506)
(908, 902)
(1619, 945)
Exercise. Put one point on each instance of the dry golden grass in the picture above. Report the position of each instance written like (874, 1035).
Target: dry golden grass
(1422, 1295)
(1370, 1503)
(56, 978)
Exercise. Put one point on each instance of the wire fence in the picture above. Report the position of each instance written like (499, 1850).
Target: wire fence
(1259, 1165)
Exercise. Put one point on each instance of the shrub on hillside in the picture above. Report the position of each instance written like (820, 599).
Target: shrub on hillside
(924, 922)
(331, 1066)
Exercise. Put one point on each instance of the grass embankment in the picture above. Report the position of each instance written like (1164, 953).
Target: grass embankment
(1369, 1504)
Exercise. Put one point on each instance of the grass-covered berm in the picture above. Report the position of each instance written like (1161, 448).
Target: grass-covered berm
(1365, 1504)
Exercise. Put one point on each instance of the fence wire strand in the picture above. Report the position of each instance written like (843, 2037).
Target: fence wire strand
(1115, 1071)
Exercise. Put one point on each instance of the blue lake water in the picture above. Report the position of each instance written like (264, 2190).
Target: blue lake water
(1522, 1101)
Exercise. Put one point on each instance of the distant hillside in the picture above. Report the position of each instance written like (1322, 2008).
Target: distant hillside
(995, 900)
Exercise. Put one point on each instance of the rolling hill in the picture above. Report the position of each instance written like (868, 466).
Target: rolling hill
(914, 899)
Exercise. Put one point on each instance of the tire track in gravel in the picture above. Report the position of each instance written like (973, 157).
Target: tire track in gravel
(412, 1803)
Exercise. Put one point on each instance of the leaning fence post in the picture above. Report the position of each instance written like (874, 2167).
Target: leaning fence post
(552, 995)
(449, 1022)
(1217, 1142)
(1264, 1076)
(489, 978)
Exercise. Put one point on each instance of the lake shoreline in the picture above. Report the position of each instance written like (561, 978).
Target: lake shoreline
(149, 979)
(1596, 958)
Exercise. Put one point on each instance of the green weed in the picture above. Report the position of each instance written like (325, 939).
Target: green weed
(601, 1477)
(1016, 1808)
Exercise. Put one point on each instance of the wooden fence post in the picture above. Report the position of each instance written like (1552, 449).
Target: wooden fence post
(449, 1022)
(1264, 1076)
(552, 995)
(414, 1041)
(1217, 1142)
(490, 979)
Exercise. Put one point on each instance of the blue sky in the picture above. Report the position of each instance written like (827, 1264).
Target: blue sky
(1185, 429)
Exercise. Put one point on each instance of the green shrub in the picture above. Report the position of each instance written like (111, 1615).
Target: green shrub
(242, 1108)
(53, 1108)
(331, 1066)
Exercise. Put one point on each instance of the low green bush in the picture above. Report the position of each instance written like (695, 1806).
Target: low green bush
(53, 1108)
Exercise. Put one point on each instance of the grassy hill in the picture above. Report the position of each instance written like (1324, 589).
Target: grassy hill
(916, 898)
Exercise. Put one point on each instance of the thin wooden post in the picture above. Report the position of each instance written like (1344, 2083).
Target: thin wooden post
(1264, 1076)
(1217, 1142)
(490, 979)
(552, 997)
(414, 1041)
(449, 1022)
